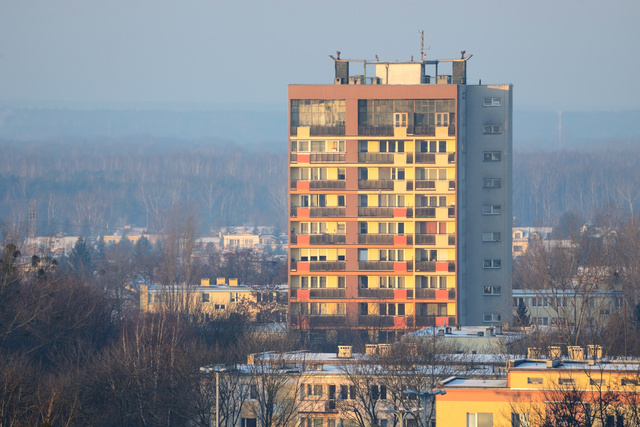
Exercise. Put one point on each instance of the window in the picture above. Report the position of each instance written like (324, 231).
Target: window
(565, 381)
(491, 210)
(314, 422)
(517, 248)
(491, 129)
(492, 156)
(206, 297)
(479, 419)
(491, 183)
(534, 380)
(491, 317)
(442, 119)
(598, 381)
(492, 263)
(492, 290)
(629, 381)
(391, 146)
(491, 237)
(400, 120)
(442, 146)
(519, 420)
(492, 102)
(314, 390)
(248, 422)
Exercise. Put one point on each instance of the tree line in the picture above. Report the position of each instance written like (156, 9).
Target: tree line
(92, 185)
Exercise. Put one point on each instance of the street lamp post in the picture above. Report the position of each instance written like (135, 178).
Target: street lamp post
(424, 396)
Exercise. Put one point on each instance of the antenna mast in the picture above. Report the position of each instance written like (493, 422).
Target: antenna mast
(422, 45)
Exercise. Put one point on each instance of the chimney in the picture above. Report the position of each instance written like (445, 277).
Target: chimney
(221, 281)
(233, 282)
(204, 282)
(344, 351)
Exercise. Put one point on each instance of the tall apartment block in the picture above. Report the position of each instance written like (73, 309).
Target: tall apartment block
(400, 200)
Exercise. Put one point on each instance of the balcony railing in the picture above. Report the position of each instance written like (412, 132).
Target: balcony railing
(425, 266)
(327, 239)
(327, 157)
(327, 266)
(383, 239)
(315, 320)
(327, 212)
(326, 293)
(428, 158)
(425, 212)
(425, 185)
(320, 239)
(386, 184)
(376, 212)
(380, 321)
(425, 239)
(376, 265)
(427, 293)
(376, 293)
(326, 185)
(385, 158)
(375, 239)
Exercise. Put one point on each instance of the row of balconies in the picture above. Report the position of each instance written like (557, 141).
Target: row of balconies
(304, 322)
(379, 212)
(376, 293)
(372, 158)
(377, 184)
(372, 239)
(396, 266)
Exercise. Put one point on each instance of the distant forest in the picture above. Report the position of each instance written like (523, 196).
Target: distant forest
(93, 185)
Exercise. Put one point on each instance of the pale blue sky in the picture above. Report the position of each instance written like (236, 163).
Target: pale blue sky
(560, 54)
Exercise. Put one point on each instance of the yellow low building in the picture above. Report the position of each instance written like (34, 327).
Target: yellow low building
(208, 299)
(546, 393)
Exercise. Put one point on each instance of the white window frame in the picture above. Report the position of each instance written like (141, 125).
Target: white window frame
(491, 129)
(492, 183)
(492, 156)
(491, 209)
(491, 317)
(492, 290)
(492, 264)
(492, 236)
(492, 102)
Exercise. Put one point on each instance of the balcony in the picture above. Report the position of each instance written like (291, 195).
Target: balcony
(426, 212)
(334, 212)
(327, 157)
(327, 185)
(327, 266)
(376, 212)
(384, 158)
(326, 293)
(376, 321)
(384, 239)
(426, 293)
(376, 293)
(386, 184)
(426, 158)
(304, 321)
(425, 239)
(318, 239)
(375, 265)
(425, 185)
(428, 266)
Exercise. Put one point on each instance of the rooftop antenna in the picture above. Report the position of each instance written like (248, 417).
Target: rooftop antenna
(422, 44)
(560, 129)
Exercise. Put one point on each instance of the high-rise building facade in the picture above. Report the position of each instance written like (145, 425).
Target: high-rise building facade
(400, 200)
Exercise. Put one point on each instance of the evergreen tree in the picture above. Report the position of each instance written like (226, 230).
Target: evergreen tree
(522, 315)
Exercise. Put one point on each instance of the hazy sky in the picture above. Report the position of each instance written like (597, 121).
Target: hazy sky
(559, 54)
